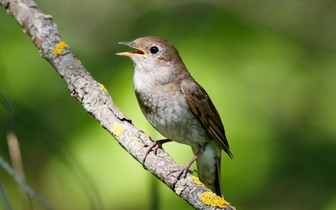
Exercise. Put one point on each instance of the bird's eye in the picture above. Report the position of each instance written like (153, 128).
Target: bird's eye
(154, 50)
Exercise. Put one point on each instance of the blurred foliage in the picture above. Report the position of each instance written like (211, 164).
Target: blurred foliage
(269, 66)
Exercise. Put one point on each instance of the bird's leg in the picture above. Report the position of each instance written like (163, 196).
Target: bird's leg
(155, 146)
(183, 170)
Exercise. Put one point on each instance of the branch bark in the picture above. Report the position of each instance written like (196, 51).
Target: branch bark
(96, 101)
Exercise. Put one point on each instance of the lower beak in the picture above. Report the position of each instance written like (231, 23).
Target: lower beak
(129, 54)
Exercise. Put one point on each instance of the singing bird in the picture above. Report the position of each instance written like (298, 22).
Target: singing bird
(177, 106)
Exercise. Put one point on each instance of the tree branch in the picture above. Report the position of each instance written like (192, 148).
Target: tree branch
(96, 101)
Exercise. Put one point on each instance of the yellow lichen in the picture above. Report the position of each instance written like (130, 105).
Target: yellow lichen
(197, 181)
(103, 87)
(117, 129)
(48, 16)
(59, 47)
(211, 199)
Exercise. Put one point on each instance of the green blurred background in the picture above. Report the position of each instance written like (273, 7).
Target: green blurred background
(269, 66)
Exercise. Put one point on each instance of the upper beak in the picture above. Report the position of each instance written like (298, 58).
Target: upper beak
(129, 54)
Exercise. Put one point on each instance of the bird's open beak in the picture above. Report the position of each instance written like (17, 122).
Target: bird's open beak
(129, 54)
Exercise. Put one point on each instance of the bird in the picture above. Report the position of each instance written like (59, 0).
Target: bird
(178, 107)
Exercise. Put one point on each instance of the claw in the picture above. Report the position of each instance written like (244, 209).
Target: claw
(182, 172)
(155, 146)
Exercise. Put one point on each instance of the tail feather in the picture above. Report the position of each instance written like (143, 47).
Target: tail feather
(209, 168)
(218, 183)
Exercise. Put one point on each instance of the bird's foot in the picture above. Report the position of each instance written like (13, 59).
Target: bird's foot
(155, 146)
(181, 172)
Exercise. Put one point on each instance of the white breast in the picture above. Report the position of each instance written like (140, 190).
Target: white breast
(166, 108)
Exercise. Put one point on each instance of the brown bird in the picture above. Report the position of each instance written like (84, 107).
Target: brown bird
(177, 106)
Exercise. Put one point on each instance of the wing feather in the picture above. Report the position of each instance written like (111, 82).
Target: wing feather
(201, 105)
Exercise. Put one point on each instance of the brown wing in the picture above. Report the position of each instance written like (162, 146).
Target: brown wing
(201, 105)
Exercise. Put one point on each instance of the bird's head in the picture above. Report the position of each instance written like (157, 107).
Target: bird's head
(152, 52)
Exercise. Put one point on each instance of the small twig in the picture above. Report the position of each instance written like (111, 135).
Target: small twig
(4, 198)
(12, 141)
(23, 184)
